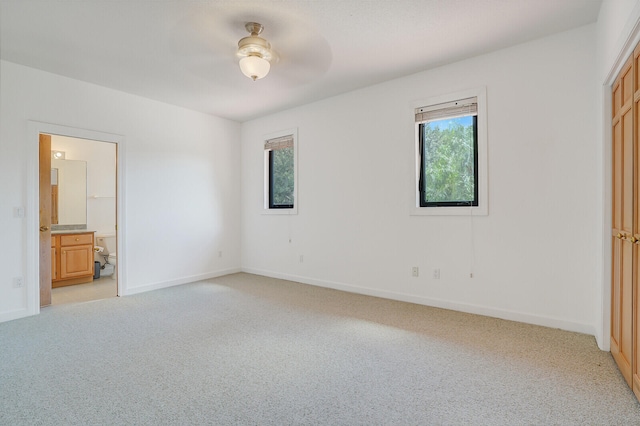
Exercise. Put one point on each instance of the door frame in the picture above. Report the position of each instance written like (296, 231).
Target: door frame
(34, 129)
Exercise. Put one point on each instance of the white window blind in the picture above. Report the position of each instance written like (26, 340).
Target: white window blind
(281, 142)
(454, 109)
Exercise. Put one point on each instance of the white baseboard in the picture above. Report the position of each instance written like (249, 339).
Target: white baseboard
(21, 313)
(437, 303)
(179, 281)
(12, 315)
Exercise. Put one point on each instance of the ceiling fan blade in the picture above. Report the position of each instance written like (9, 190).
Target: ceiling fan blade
(304, 60)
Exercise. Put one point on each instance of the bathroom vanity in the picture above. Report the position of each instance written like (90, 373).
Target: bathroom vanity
(71, 258)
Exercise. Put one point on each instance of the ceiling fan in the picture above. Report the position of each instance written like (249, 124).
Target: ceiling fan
(255, 53)
(208, 50)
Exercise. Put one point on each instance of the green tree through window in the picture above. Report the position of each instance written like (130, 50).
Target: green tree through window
(449, 162)
(281, 178)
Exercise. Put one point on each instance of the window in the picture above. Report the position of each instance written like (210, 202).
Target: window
(280, 172)
(451, 155)
(448, 154)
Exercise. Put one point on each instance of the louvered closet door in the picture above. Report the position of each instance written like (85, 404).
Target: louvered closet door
(622, 226)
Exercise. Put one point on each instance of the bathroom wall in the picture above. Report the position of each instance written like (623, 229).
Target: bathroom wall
(101, 178)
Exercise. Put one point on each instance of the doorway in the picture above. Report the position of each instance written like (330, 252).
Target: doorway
(82, 210)
(105, 221)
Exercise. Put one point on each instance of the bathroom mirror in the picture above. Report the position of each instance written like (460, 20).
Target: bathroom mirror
(68, 194)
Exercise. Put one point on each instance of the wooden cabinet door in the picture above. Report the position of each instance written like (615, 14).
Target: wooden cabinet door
(54, 270)
(76, 261)
(54, 258)
(622, 221)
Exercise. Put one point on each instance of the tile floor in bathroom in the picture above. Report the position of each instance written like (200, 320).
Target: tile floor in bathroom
(102, 288)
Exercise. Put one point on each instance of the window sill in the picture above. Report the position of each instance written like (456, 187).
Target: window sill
(449, 211)
(281, 212)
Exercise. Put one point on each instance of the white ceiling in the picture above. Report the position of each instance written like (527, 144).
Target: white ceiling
(183, 51)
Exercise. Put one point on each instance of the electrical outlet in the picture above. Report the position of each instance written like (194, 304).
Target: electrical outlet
(18, 282)
(436, 274)
(220, 253)
(301, 259)
(18, 212)
(415, 271)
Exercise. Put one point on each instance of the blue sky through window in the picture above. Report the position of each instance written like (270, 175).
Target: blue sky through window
(448, 122)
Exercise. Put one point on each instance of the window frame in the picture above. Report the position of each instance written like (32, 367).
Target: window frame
(268, 207)
(416, 208)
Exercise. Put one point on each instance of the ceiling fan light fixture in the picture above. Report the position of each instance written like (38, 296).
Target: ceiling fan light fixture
(255, 53)
(254, 67)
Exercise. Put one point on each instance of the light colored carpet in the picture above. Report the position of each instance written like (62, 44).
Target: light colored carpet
(249, 350)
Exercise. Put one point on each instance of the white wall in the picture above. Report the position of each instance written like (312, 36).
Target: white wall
(181, 180)
(616, 22)
(535, 256)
